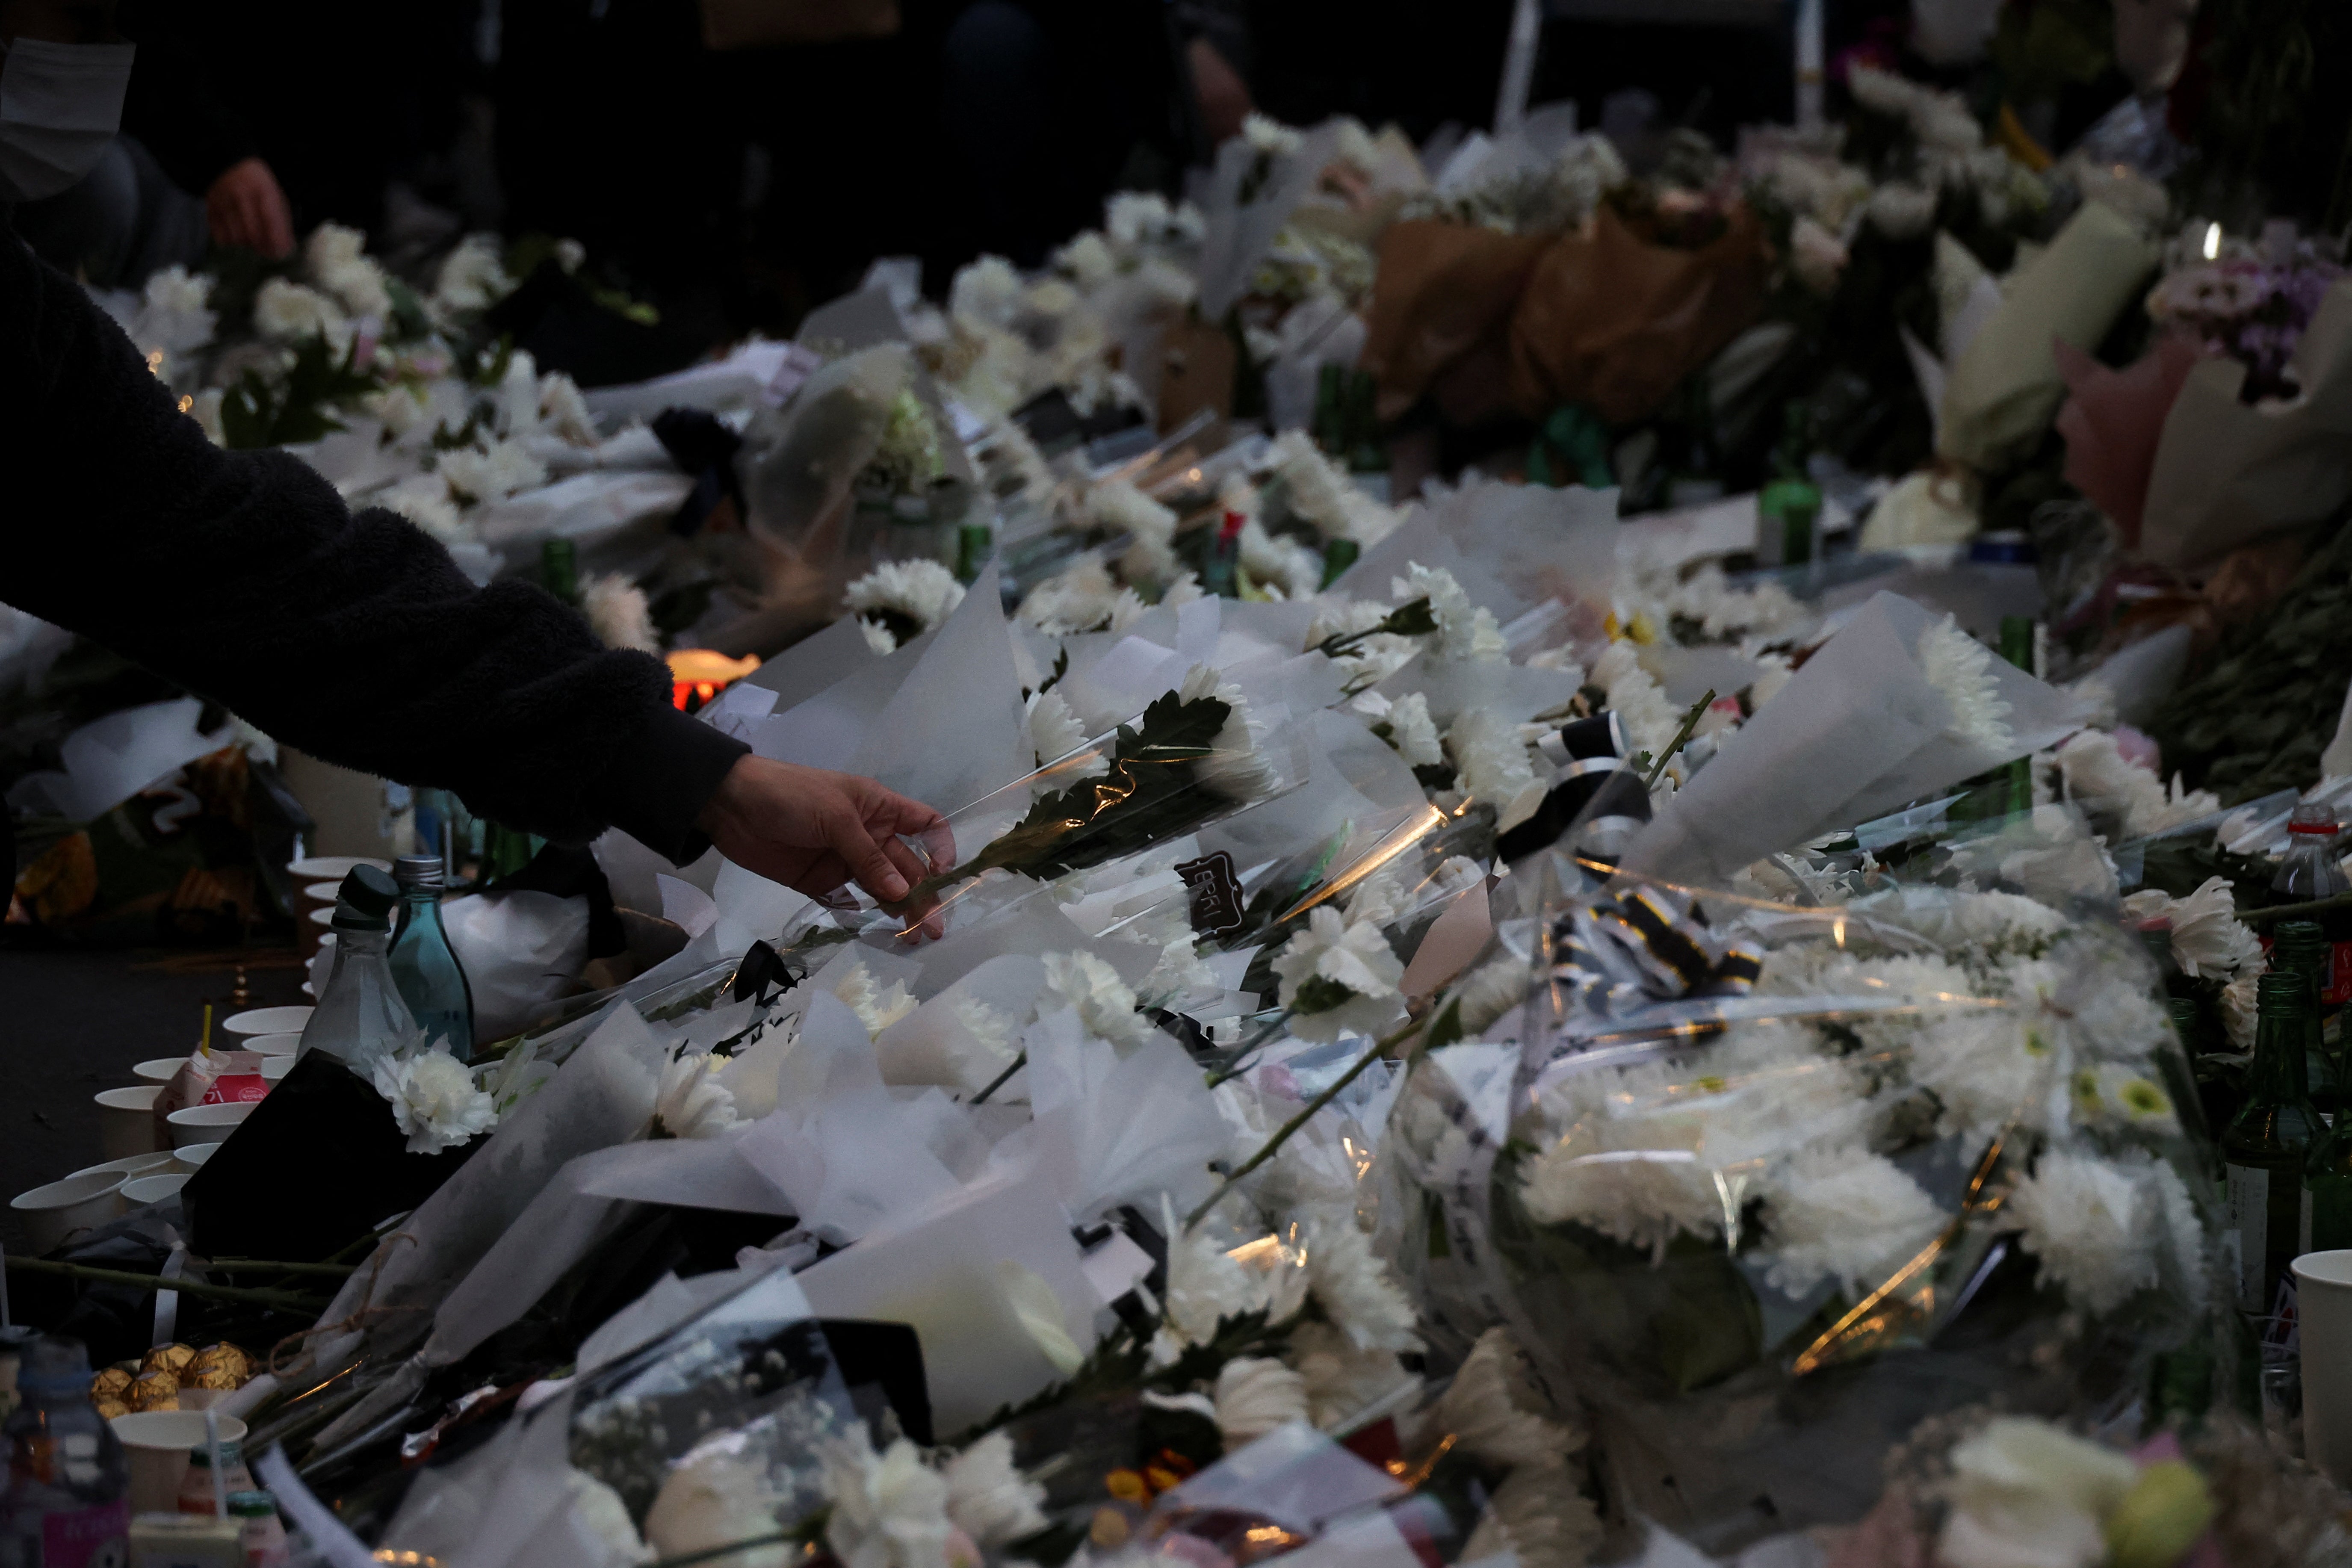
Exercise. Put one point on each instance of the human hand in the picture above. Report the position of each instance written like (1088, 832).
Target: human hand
(1222, 95)
(813, 830)
(244, 207)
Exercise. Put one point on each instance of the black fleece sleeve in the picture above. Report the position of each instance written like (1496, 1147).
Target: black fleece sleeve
(243, 577)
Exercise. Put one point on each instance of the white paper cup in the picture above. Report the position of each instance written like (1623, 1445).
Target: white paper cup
(51, 1214)
(271, 1044)
(157, 1443)
(158, 1070)
(207, 1123)
(189, 1159)
(141, 1191)
(126, 1121)
(2323, 1302)
(266, 1021)
(130, 1165)
(276, 1068)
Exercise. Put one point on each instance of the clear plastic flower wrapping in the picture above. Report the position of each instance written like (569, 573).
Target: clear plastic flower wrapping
(1760, 1183)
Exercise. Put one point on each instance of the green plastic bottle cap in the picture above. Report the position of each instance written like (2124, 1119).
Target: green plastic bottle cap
(252, 1505)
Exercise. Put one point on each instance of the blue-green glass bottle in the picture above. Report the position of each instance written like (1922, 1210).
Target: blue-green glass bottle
(424, 965)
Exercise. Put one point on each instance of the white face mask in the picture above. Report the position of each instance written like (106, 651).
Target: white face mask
(61, 104)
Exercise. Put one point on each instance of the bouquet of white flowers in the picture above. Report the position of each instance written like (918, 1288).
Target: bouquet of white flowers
(1763, 1195)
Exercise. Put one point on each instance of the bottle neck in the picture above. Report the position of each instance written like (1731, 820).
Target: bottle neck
(361, 943)
(2278, 1076)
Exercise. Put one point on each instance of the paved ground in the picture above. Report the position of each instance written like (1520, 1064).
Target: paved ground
(72, 1023)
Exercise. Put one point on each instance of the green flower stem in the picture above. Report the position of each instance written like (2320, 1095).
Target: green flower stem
(1282, 1134)
(1682, 739)
(1001, 1080)
(284, 1301)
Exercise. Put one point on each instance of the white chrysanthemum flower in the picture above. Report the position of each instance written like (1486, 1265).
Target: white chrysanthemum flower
(1491, 762)
(599, 1510)
(1355, 1290)
(1205, 1285)
(618, 612)
(1649, 720)
(2026, 1494)
(2111, 1092)
(1106, 1006)
(692, 1102)
(1255, 1394)
(398, 408)
(1412, 733)
(285, 311)
(1847, 1216)
(1088, 260)
(2096, 772)
(923, 592)
(2093, 1228)
(876, 1009)
(1120, 507)
(1487, 992)
(1960, 670)
(424, 499)
(434, 1099)
(473, 277)
(1902, 211)
(1486, 1409)
(1465, 631)
(1324, 495)
(1985, 1068)
(1055, 733)
(888, 1510)
(2241, 1011)
(1268, 135)
(335, 258)
(992, 1028)
(1080, 598)
(1283, 567)
(710, 1500)
(987, 290)
(175, 313)
(1237, 766)
(1340, 979)
(1180, 971)
(1379, 900)
(2185, 1236)
(1537, 1518)
(1342, 1380)
(490, 471)
(988, 1497)
(562, 410)
(2207, 938)
(206, 413)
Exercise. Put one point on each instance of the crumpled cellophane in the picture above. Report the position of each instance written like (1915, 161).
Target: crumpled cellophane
(1759, 1186)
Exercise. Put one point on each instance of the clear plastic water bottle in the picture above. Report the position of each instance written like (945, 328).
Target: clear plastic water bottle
(67, 1503)
(360, 1017)
(424, 965)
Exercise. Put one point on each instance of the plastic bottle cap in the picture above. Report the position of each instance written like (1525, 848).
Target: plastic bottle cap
(252, 1505)
(365, 901)
(2313, 818)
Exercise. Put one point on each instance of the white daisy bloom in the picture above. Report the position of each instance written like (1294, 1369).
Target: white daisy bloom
(490, 471)
(433, 1100)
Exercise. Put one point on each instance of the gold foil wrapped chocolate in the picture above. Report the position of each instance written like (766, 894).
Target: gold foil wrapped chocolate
(155, 1391)
(111, 1383)
(174, 1359)
(108, 1409)
(222, 1360)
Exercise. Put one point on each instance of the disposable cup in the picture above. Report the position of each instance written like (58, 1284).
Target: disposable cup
(130, 1165)
(2323, 1304)
(284, 1044)
(126, 1121)
(207, 1123)
(266, 1021)
(157, 1443)
(141, 1191)
(51, 1214)
(157, 1069)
